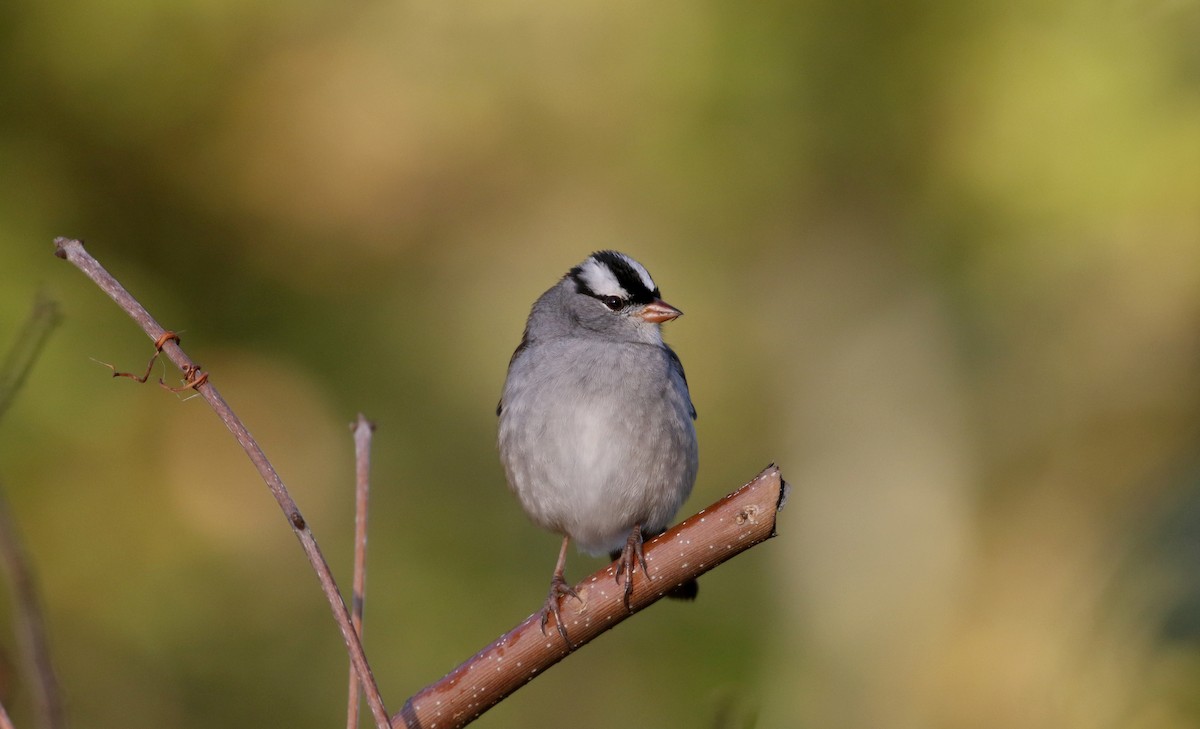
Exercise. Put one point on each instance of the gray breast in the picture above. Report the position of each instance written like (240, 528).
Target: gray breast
(596, 438)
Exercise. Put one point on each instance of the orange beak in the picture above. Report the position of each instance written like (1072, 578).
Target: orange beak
(658, 311)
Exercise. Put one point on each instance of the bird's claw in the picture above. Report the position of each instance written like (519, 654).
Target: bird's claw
(558, 589)
(631, 556)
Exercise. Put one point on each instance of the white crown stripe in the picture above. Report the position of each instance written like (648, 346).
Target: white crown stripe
(600, 279)
(641, 272)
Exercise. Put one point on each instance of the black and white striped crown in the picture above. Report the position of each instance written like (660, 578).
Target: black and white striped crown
(615, 279)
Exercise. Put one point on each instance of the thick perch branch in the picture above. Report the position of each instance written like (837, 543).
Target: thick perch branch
(727, 528)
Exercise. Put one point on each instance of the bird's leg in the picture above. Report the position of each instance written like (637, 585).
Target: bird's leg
(631, 556)
(558, 588)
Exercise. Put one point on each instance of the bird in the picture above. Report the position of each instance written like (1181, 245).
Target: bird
(596, 431)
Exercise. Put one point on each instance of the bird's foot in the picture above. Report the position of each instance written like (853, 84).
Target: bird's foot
(558, 590)
(631, 556)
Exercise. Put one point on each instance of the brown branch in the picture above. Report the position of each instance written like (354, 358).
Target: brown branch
(29, 620)
(73, 251)
(363, 430)
(730, 526)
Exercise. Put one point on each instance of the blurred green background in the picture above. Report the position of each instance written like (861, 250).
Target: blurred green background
(940, 261)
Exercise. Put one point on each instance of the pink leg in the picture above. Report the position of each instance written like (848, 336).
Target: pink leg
(558, 589)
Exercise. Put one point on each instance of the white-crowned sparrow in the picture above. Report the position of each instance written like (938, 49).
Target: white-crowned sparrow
(596, 431)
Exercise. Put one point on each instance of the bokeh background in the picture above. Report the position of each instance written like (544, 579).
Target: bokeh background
(940, 261)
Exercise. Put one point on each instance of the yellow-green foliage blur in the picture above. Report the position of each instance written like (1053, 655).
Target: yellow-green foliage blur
(940, 261)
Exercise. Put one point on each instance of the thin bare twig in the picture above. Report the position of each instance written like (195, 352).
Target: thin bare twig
(732, 525)
(5, 722)
(141, 379)
(25, 350)
(29, 620)
(73, 251)
(363, 430)
(30, 624)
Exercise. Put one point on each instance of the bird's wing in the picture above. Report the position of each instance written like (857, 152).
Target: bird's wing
(677, 366)
(516, 352)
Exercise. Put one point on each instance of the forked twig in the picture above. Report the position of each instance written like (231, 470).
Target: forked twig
(363, 430)
(73, 251)
(158, 347)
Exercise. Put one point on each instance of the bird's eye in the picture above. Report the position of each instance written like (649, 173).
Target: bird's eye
(612, 302)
